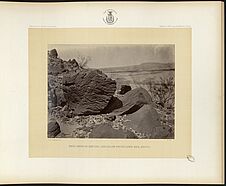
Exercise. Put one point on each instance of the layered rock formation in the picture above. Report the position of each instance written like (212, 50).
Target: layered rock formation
(84, 91)
(88, 91)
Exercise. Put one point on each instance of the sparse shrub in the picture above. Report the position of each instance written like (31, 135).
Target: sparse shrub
(163, 92)
(163, 95)
(82, 61)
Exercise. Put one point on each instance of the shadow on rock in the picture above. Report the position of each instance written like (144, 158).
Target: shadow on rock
(114, 103)
(128, 103)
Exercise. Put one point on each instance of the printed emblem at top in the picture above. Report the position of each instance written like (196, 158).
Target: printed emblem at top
(110, 16)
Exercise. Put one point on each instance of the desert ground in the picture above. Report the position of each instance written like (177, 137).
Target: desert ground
(133, 102)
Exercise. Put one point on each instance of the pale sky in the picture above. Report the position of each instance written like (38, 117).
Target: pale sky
(112, 55)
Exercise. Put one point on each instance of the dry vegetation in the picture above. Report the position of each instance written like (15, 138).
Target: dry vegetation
(163, 96)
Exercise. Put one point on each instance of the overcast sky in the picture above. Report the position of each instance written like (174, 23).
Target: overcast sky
(117, 55)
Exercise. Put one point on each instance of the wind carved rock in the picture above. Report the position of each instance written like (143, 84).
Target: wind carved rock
(129, 102)
(88, 91)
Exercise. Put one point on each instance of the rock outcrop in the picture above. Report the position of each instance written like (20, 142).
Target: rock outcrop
(88, 91)
(53, 129)
(55, 92)
(55, 68)
(84, 91)
(53, 53)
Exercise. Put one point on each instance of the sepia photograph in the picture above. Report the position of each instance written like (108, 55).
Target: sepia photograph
(112, 92)
(124, 91)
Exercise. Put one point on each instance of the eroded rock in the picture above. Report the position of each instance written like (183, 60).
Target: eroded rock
(145, 120)
(129, 102)
(53, 53)
(88, 91)
(53, 128)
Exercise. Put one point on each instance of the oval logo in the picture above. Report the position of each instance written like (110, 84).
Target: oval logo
(110, 17)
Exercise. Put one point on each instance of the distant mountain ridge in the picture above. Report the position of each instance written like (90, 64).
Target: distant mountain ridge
(141, 67)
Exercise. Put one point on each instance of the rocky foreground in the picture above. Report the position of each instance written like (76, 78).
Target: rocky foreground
(83, 103)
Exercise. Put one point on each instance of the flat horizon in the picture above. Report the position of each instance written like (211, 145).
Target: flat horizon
(117, 55)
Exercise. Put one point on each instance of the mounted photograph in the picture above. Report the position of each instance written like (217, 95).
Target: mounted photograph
(124, 91)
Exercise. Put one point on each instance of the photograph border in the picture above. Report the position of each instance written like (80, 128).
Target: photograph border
(41, 146)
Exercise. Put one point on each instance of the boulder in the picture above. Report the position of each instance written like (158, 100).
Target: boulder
(53, 53)
(53, 128)
(56, 67)
(88, 91)
(129, 102)
(114, 103)
(144, 120)
(106, 131)
(71, 65)
(124, 89)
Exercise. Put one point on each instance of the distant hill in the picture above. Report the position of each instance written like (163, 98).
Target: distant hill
(141, 67)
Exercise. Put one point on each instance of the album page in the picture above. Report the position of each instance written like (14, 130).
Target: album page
(112, 92)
